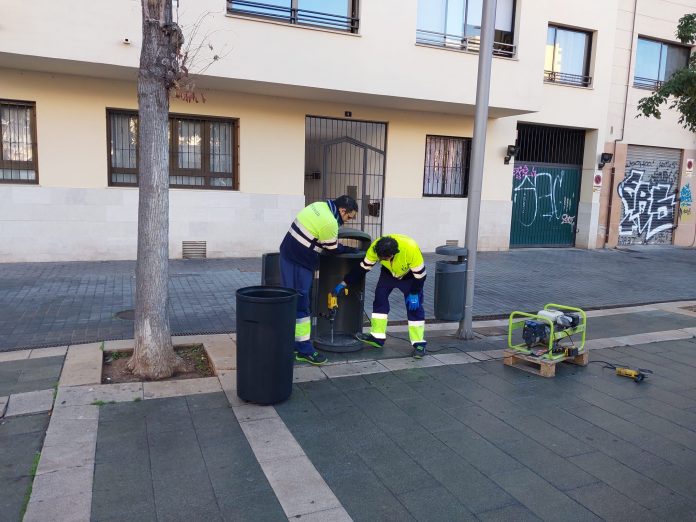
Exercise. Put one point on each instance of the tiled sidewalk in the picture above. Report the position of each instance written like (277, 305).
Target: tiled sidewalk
(46, 304)
(483, 441)
(455, 436)
(21, 438)
(181, 458)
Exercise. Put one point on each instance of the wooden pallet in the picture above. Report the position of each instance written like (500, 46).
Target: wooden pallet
(539, 366)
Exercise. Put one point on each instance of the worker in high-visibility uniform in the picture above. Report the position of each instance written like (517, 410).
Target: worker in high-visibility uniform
(315, 230)
(403, 268)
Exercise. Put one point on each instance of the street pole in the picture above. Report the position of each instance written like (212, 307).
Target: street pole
(478, 148)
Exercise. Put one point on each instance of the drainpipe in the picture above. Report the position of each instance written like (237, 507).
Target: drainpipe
(623, 126)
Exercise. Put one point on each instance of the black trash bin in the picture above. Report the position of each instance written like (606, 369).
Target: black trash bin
(450, 283)
(265, 343)
(270, 269)
(349, 317)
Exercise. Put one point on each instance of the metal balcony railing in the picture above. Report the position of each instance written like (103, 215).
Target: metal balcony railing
(567, 78)
(464, 43)
(294, 15)
(647, 83)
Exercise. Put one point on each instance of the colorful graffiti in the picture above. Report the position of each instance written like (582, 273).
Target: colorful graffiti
(544, 205)
(685, 201)
(541, 195)
(648, 207)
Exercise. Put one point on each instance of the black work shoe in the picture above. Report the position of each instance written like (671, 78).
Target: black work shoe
(313, 358)
(370, 339)
(419, 351)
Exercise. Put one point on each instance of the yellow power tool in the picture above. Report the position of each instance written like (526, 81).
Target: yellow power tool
(637, 375)
(332, 305)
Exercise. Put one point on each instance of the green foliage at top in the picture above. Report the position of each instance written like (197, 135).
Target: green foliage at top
(679, 91)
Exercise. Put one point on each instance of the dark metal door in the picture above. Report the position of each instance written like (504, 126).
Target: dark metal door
(546, 186)
(347, 157)
(544, 205)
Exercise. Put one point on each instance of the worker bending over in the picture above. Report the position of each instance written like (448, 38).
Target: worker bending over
(403, 268)
(315, 230)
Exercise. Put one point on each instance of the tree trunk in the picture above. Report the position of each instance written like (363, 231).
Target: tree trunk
(153, 355)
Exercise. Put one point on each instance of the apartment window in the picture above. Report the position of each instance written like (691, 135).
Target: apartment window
(457, 24)
(340, 15)
(18, 142)
(657, 62)
(446, 172)
(567, 58)
(202, 151)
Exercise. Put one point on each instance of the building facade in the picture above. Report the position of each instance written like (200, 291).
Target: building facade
(311, 99)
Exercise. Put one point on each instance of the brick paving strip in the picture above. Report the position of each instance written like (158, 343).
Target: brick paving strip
(63, 484)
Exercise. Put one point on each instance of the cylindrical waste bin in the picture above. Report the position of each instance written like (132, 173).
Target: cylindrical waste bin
(348, 320)
(270, 269)
(265, 343)
(450, 284)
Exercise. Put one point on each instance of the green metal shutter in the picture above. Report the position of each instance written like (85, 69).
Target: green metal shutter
(546, 186)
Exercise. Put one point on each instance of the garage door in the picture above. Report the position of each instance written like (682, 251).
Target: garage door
(546, 186)
(648, 195)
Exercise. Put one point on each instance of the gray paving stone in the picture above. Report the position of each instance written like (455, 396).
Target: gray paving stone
(256, 505)
(433, 504)
(540, 497)
(18, 453)
(67, 507)
(516, 513)
(600, 439)
(365, 498)
(479, 452)
(609, 503)
(473, 489)
(65, 482)
(29, 402)
(395, 468)
(554, 469)
(206, 401)
(634, 485)
(682, 510)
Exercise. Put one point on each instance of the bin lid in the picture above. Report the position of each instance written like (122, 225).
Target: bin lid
(451, 250)
(353, 233)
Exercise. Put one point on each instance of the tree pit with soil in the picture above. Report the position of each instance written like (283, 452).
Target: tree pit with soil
(196, 364)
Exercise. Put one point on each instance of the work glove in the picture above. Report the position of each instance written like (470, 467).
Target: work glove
(339, 288)
(413, 302)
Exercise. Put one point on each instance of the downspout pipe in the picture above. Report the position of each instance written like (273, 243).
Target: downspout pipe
(623, 125)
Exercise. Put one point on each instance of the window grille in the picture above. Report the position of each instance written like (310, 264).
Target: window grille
(446, 172)
(18, 143)
(202, 150)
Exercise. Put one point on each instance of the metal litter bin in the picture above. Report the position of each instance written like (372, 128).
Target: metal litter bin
(450, 283)
(349, 317)
(265, 343)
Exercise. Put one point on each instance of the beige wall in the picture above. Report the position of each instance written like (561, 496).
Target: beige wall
(382, 65)
(272, 75)
(655, 19)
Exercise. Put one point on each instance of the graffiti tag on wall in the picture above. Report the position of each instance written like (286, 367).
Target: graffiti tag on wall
(685, 201)
(648, 202)
(540, 196)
